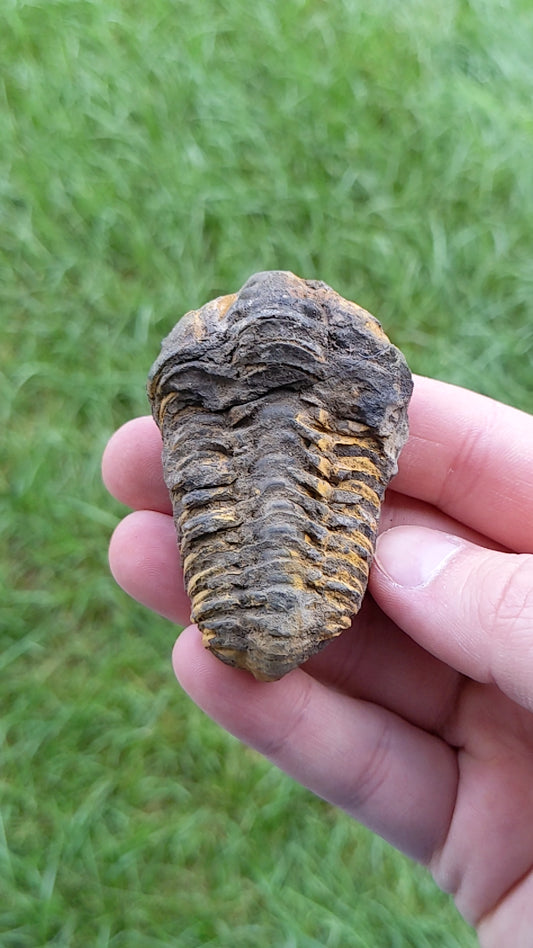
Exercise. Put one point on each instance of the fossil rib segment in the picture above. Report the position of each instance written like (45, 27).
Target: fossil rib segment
(283, 409)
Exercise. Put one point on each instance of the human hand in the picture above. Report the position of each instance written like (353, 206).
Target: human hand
(418, 721)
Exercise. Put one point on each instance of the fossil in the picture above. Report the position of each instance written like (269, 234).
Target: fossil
(283, 409)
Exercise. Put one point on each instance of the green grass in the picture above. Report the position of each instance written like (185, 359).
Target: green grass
(152, 156)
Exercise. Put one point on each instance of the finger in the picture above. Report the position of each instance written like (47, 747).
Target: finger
(131, 466)
(400, 510)
(472, 458)
(144, 560)
(397, 779)
(472, 608)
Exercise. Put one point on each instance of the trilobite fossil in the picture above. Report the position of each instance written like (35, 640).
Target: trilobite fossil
(283, 409)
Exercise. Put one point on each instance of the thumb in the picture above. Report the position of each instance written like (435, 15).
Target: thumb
(469, 606)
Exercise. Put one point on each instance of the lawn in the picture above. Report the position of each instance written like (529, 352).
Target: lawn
(153, 156)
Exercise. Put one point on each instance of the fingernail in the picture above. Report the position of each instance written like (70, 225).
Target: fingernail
(413, 556)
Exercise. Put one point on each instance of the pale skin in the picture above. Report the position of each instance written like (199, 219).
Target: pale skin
(418, 721)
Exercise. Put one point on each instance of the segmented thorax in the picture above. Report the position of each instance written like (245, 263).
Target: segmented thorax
(283, 410)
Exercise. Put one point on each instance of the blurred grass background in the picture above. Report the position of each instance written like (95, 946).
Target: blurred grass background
(153, 156)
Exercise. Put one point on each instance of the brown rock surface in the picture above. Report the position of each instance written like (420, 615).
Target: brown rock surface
(283, 410)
